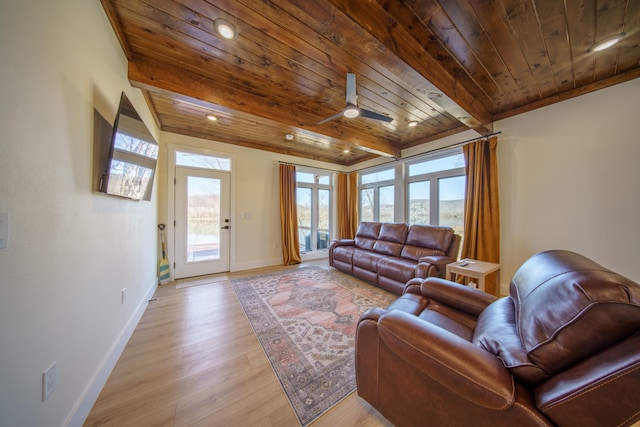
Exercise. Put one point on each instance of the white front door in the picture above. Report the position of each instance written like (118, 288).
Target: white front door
(202, 222)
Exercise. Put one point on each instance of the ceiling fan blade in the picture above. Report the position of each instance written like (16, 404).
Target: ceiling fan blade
(373, 115)
(352, 98)
(335, 116)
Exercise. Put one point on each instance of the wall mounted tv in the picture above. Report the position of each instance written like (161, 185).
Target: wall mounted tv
(133, 156)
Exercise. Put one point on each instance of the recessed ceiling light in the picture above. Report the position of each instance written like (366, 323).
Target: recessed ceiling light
(288, 137)
(225, 29)
(607, 43)
(212, 117)
(346, 151)
(412, 123)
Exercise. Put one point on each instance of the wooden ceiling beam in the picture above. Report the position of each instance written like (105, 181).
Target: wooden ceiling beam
(372, 17)
(170, 80)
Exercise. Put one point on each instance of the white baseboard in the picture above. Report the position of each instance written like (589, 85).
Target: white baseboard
(88, 398)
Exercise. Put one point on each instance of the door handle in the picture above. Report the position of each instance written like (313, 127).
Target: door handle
(226, 227)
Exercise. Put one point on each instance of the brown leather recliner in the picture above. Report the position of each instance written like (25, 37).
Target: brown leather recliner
(563, 349)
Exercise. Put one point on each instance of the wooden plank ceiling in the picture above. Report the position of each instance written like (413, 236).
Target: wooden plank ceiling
(449, 65)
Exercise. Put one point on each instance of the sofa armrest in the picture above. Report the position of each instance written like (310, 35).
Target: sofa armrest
(464, 298)
(373, 314)
(457, 364)
(343, 242)
(434, 262)
(367, 362)
(437, 260)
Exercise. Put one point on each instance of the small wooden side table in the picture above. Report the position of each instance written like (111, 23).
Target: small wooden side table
(474, 269)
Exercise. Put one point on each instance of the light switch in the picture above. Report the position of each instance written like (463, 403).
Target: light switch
(4, 230)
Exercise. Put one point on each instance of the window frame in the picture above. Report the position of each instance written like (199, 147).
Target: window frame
(434, 182)
(315, 208)
(375, 186)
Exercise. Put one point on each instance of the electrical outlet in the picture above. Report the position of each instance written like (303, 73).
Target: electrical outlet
(124, 294)
(48, 381)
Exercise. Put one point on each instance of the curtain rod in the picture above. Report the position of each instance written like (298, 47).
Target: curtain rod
(307, 166)
(454, 145)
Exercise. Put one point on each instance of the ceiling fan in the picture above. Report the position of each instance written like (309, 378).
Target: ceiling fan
(351, 108)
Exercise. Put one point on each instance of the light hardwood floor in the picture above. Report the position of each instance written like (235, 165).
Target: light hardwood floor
(194, 360)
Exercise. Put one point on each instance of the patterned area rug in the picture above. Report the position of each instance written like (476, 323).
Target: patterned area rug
(306, 321)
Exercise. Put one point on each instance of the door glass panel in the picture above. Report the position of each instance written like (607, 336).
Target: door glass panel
(203, 219)
(324, 196)
(451, 202)
(419, 200)
(303, 196)
(386, 203)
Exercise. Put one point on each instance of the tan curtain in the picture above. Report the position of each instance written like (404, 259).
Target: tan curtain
(289, 215)
(342, 189)
(353, 204)
(481, 209)
(347, 195)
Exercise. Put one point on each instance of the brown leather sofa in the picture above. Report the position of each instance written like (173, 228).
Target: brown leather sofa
(563, 349)
(390, 254)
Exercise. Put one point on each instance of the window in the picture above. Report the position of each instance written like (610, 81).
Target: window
(202, 161)
(436, 190)
(313, 193)
(377, 196)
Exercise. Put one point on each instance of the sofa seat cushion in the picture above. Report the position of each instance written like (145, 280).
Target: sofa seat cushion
(436, 313)
(399, 269)
(344, 253)
(496, 333)
(367, 260)
(568, 307)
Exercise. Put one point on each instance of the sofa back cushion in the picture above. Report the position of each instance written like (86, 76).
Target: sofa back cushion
(391, 238)
(367, 234)
(567, 308)
(426, 240)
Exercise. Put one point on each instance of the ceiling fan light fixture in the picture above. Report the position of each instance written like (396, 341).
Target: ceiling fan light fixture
(225, 29)
(607, 43)
(351, 111)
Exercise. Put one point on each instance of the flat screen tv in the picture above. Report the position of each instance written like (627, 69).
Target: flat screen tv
(133, 156)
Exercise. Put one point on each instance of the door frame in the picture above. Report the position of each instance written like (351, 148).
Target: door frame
(169, 207)
(202, 267)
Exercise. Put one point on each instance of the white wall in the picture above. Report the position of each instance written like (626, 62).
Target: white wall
(569, 179)
(255, 188)
(71, 250)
